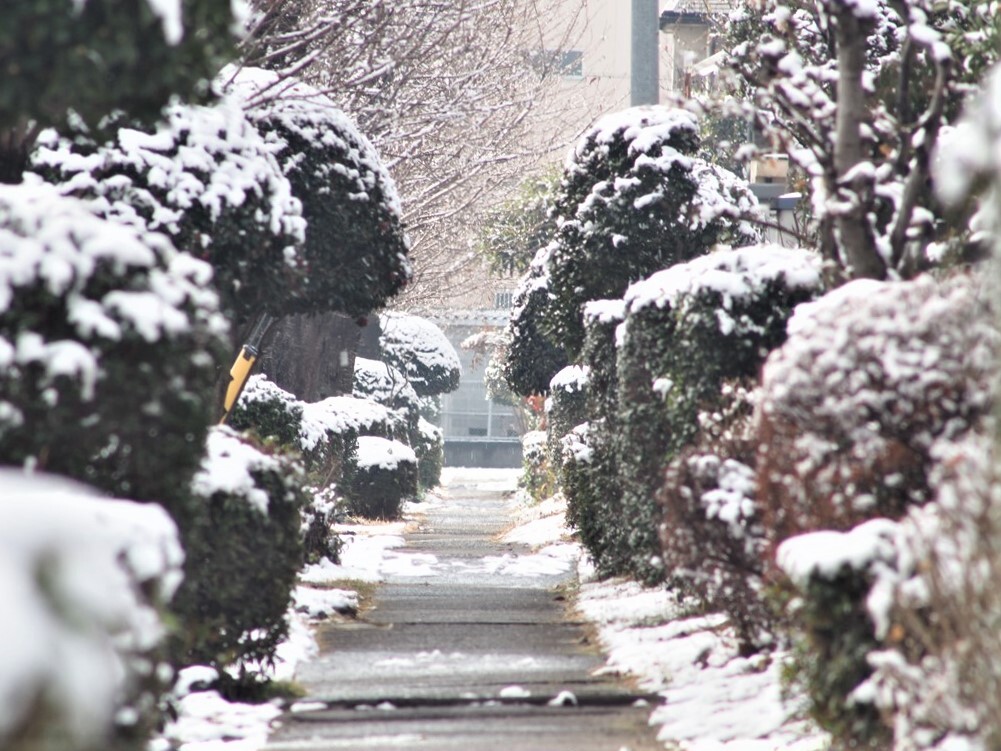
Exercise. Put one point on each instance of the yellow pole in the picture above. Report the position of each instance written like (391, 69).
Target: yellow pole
(238, 375)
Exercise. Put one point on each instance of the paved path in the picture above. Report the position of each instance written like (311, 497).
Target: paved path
(467, 653)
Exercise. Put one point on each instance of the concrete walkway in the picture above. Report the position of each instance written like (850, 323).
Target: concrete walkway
(467, 651)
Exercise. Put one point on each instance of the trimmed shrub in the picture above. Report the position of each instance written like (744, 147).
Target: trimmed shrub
(566, 408)
(833, 572)
(635, 199)
(589, 473)
(430, 450)
(872, 376)
(385, 385)
(244, 552)
(937, 673)
(385, 476)
(862, 409)
(687, 330)
(108, 344)
(210, 181)
(537, 476)
(532, 359)
(269, 411)
(421, 351)
(85, 580)
(355, 252)
(713, 541)
(588, 480)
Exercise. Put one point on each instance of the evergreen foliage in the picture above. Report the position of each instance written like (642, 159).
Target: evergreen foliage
(243, 553)
(421, 351)
(108, 344)
(102, 56)
(687, 330)
(207, 179)
(635, 199)
(355, 253)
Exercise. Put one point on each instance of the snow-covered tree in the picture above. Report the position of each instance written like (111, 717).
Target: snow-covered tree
(857, 93)
(100, 56)
(634, 199)
(419, 349)
(355, 253)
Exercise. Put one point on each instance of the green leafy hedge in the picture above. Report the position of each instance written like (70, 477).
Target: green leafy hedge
(687, 330)
(244, 551)
(386, 475)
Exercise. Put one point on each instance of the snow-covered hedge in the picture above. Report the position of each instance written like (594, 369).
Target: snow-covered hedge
(269, 411)
(538, 477)
(386, 475)
(713, 542)
(934, 609)
(385, 385)
(419, 349)
(430, 450)
(872, 376)
(873, 411)
(833, 572)
(355, 249)
(84, 580)
(207, 178)
(635, 199)
(566, 408)
(687, 330)
(244, 551)
(532, 359)
(589, 475)
(108, 343)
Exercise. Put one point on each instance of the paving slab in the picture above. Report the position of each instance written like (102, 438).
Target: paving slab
(474, 649)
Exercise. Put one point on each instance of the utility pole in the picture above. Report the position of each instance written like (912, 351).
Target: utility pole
(645, 63)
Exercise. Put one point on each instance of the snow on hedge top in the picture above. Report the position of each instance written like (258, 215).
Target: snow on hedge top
(642, 128)
(259, 389)
(380, 381)
(229, 467)
(57, 245)
(571, 378)
(340, 415)
(825, 554)
(72, 569)
(383, 453)
(429, 431)
(735, 274)
(604, 312)
(310, 114)
(421, 350)
(918, 354)
(661, 140)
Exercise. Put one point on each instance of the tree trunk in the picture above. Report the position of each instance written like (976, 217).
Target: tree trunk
(313, 356)
(15, 145)
(858, 247)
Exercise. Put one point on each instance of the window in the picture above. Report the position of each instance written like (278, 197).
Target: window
(568, 63)
(503, 300)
